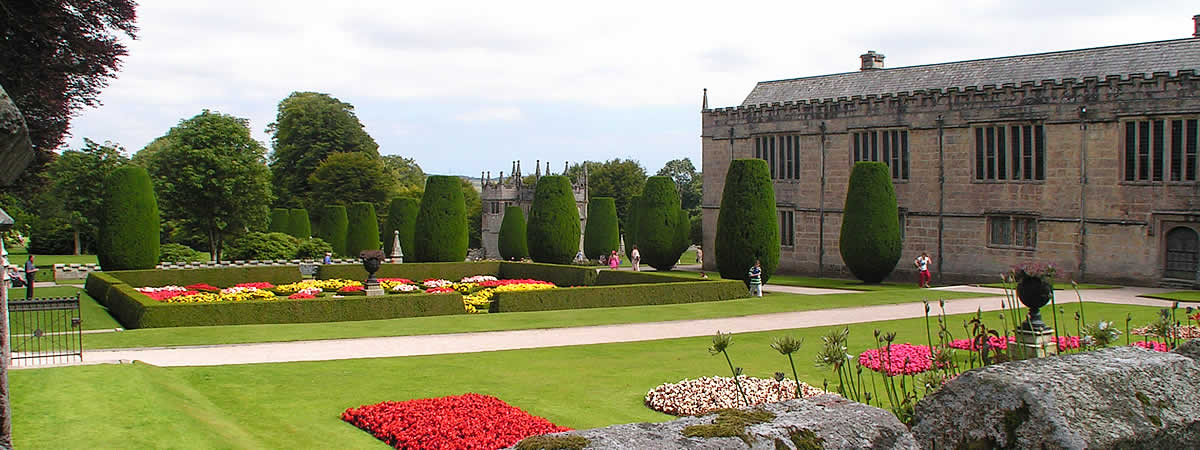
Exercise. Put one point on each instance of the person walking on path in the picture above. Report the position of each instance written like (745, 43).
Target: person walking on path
(328, 258)
(922, 263)
(613, 260)
(30, 270)
(756, 279)
(635, 257)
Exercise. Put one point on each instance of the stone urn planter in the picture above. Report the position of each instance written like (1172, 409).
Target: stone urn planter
(1035, 285)
(371, 260)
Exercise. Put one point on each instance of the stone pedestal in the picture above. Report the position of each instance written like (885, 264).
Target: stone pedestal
(373, 288)
(1033, 344)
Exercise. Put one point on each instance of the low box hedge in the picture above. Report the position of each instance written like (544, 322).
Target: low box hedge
(618, 277)
(559, 275)
(97, 284)
(220, 277)
(452, 271)
(618, 295)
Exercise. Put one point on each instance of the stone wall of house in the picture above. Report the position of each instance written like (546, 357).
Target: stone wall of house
(509, 191)
(1095, 228)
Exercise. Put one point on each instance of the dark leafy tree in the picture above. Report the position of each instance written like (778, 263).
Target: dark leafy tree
(308, 128)
(661, 225)
(601, 236)
(405, 171)
(688, 181)
(363, 233)
(129, 222)
(212, 175)
(263, 246)
(870, 238)
(440, 234)
(620, 179)
(281, 219)
(345, 178)
(553, 229)
(474, 207)
(402, 217)
(511, 241)
(298, 223)
(747, 226)
(334, 225)
(73, 176)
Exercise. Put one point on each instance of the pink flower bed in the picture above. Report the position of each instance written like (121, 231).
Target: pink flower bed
(902, 359)
(1151, 345)
(468, 421)
(1064, 343)
(439, 290)
(256, 285)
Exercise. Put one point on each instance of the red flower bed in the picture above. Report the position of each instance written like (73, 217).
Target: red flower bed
(439, 290)
(301, 295)
(494, 283)
(902, 359)
(163, 295)
(203, 287)
(349, 289)
(257, 285)
(456, 422)
(1064, 343)
(1151, 345)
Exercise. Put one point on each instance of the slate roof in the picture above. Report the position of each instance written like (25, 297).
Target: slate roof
(1124, 60)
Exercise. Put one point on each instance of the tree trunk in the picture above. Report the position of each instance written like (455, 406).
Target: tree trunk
(76, 242)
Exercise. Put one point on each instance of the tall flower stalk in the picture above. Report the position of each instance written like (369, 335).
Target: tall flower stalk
(721, 342)
(786, 346)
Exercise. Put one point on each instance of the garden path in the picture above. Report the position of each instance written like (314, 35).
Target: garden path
(381, 347)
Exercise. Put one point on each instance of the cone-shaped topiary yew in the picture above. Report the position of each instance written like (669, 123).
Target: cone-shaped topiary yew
(363, 232)
(553, 229)
(281, 219)
(512, 235)
(298, 225)
(402, 217)
(631, 227)
(747, 224)
(870, 239)
(440, 234)
(601, 235)
(129, 222)
(658, 223)
(334, 225)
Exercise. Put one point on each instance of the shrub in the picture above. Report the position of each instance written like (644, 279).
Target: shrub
(51, 236)
(747, 224)
(298, 225)
(179, 253)
(661, 225)
(312, 248)
(553, 229)
(512, 243)
(281, 221)
(402, 217)
(440, 234)
(601, 235)
(364, 228)
(262, 246)
(631, 225)
(333, 228)
(129, 223)
(870, 238)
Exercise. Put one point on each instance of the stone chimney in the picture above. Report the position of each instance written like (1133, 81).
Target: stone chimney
(1196, 24)
(871, 60)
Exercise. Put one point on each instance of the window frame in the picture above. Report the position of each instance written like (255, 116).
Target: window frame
(1009, 152)
(1157, 150)
(1030, 223)
(782, 153)
(787, 227)
(888, 145)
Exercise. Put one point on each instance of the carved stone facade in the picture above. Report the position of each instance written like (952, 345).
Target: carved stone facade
(1096, 174)
(504, 191)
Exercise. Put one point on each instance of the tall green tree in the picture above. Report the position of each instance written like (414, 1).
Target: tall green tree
(511, 241)
(308, 128)
(211, 174)
(747, 225)
(345, 178)
(405, 171)
(474, 205)
(363, 232)
(280, 220)
(870, 238)
(601, 236)
(298, 224)
(440, 234)
(402, 218)
(334, 225)
(687, 179)
(129, 221)
(552, 232)
(74, 175)
(661, 225)
(631, 226)
(620, 179)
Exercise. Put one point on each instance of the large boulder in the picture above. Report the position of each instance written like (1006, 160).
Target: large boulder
(830, 420)
(16, 152)
(1121, 397)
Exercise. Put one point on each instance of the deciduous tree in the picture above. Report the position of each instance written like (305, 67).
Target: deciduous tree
(74, 176)
(345, 178)
(308, 128)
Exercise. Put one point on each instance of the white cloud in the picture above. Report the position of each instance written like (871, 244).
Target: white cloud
(505, 113)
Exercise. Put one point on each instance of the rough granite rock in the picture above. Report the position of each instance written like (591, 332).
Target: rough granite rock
(1119, 398)
(841, 423)
(16, 152)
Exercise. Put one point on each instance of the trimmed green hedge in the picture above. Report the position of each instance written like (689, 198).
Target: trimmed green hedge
(298, 224)
(333, 228)
(659, 223)
(870, 238)
(511, 240)
(559, 275)
(623, 295)
(601, 235)
(363, 233)
(553, 229)
(220, 277)
(129, 222)
(402, 217)
(440, 234)
(616, 277)
(747, 224)
(452, 271)
(631, 225)
(281, 221)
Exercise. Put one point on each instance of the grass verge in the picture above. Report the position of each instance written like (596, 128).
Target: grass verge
(95, 317)
(1058, 286)
(1179, 296)
(140, 406)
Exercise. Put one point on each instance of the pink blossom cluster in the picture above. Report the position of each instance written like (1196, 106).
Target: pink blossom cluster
(994, 342)
(477, 279)
(1152, 345)
(239, 288)
(435, 283)
(256, 285)
(704, 394)
(900, 359)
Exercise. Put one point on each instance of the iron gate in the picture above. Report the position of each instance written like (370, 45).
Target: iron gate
(45, 331)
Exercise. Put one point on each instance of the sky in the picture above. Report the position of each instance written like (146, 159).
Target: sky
(468, 87)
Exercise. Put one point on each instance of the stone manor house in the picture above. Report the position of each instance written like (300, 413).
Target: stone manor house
(504, 191)
(1085, 158)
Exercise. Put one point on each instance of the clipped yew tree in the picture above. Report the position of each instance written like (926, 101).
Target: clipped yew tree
(659, 220)
(512, 235)
(747, 225)
(402, 217)
(281, 220)
(363, 232)
(601, 235)
(631, 220)
(553, 229)
(298, 224)
(129, 222)
(870, 239)
(440, 234)
(333, 228)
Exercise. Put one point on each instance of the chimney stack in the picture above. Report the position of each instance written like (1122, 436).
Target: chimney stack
(1196, 24)
(871, 60)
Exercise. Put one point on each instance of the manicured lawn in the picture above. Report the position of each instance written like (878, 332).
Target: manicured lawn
(297, 405)
(95, 317)
(1058, 286)
(814, 282)
(771, 303)
(45, 263)
(1181, 296)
